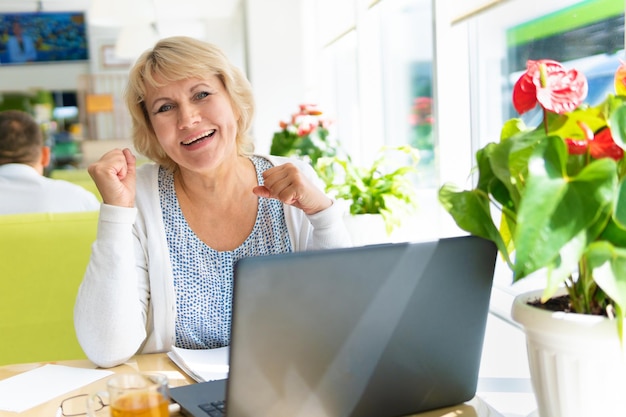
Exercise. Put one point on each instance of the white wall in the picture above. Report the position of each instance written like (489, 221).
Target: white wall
(277, 63)
(43, 76)
(268, 46)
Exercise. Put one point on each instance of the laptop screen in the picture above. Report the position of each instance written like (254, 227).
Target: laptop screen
(383, 330)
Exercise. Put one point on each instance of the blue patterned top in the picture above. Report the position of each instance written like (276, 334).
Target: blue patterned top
(203, 277)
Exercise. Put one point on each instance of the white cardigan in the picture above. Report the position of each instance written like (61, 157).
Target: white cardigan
(126, 302)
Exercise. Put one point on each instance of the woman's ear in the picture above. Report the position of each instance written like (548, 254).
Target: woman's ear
(45, 156)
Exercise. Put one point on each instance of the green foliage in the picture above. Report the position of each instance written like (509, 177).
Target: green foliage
(385, 187)
(305, 136)
(560, 213)
(312, 146)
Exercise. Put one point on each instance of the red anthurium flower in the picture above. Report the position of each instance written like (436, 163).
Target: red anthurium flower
(548, 83)
(576, 146)
(603, 146)
(525, 90)
(580, 146)
(600, 145)
(564, 91)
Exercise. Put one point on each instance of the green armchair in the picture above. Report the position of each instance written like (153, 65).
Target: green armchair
(77, 176)
(43, 257)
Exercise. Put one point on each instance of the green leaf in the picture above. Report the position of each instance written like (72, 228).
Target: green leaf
(283, 143)
(564, 264)
(384, 187)
(488, 182)
(511, 128)
(617, 119)
(556, 208)
(470, 210)
(619, 211)
(568, 126)
(509, 161)
(609, 270)
(614, 233)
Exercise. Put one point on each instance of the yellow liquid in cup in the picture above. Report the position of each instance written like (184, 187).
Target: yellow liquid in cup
(140, 404)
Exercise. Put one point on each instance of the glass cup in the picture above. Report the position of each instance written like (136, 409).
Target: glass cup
(132, 395)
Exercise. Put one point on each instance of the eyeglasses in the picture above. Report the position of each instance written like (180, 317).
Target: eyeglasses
(77, 406)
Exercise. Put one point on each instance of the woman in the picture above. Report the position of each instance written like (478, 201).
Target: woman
(169, 233)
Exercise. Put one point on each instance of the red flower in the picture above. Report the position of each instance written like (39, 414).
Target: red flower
(548, 83)
(421, 112)
(603, 146)
(577, 146)
(310, 109)
(580, 146)
(306, 128)
(599, 145)
(306, 120)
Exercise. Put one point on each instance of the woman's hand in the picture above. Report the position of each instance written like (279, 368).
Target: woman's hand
(114, 175)
(287, 184)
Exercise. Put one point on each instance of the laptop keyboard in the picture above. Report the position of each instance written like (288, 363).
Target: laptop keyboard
(214, 409)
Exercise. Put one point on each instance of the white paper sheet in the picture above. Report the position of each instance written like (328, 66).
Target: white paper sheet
(29, 389)
(202, 364)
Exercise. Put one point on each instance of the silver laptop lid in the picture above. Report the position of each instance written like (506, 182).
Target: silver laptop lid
(385, 330)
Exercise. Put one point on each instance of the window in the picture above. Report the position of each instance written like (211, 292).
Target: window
(383, 89)
(379, 65)
(587, 35)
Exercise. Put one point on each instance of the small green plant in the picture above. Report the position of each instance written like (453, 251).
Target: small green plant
(306, 135)
(385, 187)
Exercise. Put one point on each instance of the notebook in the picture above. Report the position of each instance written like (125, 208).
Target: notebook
(372, 331)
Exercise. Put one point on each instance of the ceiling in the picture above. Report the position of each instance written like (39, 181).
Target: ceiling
(164, 9)
(139, 23)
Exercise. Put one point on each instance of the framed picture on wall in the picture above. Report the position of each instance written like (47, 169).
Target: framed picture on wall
(43, 37)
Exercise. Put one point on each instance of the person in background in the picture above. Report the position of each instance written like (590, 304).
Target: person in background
(170, 232)
(23, 157)
(20, 46)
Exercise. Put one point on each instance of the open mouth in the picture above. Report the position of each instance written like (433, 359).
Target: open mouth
(204, 136)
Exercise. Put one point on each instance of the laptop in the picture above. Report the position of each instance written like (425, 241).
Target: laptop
(372, 331)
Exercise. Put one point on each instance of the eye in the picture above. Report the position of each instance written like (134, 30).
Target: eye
(200, 95)
(164, 108)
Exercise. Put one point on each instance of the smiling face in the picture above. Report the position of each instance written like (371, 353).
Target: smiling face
(194, 122)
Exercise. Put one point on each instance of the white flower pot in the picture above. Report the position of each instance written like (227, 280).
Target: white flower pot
(366, 229)
(577, 366)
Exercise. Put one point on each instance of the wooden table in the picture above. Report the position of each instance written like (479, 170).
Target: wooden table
(159, 362)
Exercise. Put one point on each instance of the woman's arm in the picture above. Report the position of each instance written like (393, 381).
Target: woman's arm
(112, 302)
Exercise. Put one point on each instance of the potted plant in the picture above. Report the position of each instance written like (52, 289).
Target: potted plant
(305, 135)
(382, 192)
(380, 195)
(553, 199)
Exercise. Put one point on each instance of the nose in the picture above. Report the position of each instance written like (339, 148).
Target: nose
(188, 116)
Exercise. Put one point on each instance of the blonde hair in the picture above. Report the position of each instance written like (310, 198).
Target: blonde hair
(178, 58)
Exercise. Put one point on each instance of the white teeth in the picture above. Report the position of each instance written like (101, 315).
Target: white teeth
(201, 136)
